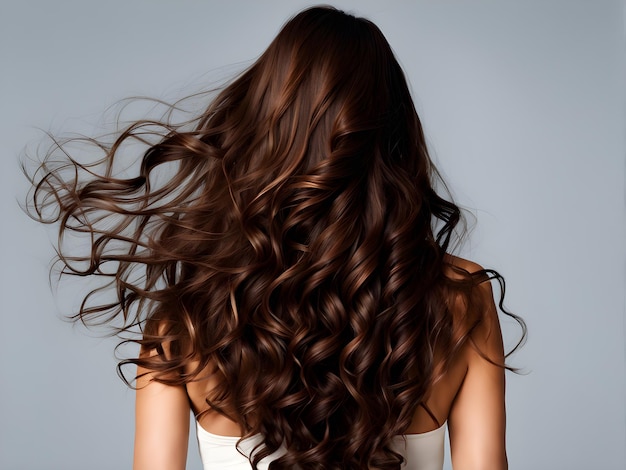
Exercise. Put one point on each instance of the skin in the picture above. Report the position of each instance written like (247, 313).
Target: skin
(470, 397)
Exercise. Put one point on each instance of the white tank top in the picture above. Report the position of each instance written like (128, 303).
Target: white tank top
(421, 451)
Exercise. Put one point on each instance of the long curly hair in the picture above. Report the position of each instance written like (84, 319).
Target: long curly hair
(294, 246)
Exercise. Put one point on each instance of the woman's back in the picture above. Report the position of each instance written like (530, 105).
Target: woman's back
(422, 445)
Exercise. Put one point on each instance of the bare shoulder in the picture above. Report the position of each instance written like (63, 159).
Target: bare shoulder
(475, 310)
(460, 269)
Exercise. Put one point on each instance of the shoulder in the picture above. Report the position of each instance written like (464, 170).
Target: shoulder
(471, 275)
(472, 304)
(470, 288)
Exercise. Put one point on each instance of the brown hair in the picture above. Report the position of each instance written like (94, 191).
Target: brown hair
(292, 251)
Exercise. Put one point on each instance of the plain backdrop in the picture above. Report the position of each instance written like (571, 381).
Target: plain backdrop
(523, 107)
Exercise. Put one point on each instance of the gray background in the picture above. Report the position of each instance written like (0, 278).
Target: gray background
(523, 106)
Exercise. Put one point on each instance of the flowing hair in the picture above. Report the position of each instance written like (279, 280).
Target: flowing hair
(292, 252)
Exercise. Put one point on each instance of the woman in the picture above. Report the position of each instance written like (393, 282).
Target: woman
(287, 280)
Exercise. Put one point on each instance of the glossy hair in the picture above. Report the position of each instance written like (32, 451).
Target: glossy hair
(292, 252)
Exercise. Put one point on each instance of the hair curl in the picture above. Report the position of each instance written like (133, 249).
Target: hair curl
(292, 250)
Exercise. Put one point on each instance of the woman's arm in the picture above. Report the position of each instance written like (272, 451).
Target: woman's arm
(161, 425)
(477, 417)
